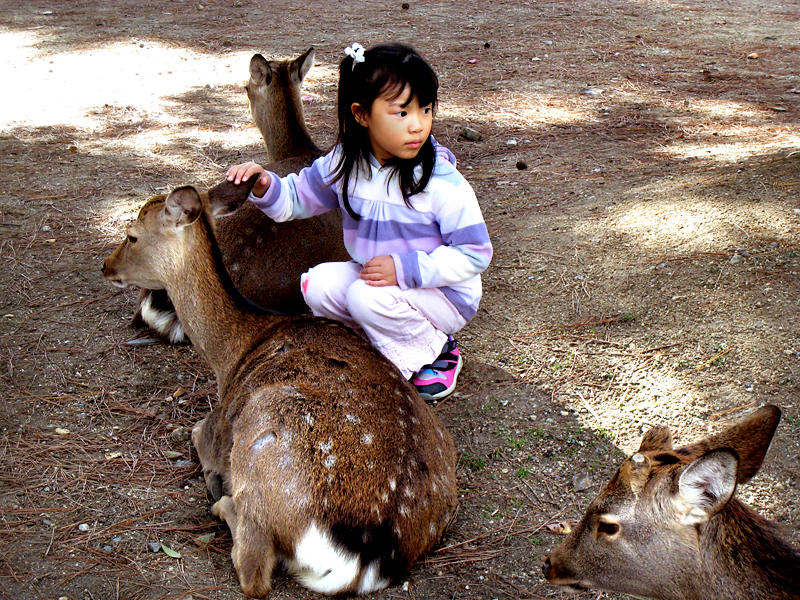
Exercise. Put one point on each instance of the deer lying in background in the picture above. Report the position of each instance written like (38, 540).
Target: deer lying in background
(667, 525)
(265, 259)
(320, 454)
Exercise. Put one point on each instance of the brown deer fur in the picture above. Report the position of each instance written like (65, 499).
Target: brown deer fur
(667, 525)
(265, 259)
(321, 455)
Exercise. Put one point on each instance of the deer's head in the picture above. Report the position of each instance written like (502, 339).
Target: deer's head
(641, 534)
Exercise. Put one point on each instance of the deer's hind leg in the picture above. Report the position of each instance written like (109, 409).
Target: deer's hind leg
(253, 554)
(213, 469)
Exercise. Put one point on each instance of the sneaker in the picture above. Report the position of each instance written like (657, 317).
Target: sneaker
(438, 380)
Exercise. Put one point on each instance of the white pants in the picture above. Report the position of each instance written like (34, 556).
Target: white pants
(409, 327)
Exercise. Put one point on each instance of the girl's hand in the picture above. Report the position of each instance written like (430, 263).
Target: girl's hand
(243, 172)
(379, 271)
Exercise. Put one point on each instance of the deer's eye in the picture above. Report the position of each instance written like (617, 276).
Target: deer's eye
(132, 239)
(607, 528)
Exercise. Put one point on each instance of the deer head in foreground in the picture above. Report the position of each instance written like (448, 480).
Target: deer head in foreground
(266, 259)
(667, 525)
(320, 454)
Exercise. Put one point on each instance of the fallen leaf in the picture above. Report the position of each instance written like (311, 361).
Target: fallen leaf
(170, 552)
(205, 538)
(560, 528)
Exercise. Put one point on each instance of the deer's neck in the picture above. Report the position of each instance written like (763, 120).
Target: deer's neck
(743, 557)
(284, 129)
(222, 325)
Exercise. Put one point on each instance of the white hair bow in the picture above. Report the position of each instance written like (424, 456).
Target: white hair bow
(356, 51)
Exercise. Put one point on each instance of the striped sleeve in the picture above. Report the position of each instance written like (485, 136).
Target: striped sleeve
(299, 195)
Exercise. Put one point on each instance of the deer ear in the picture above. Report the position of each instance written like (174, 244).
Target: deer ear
(707, 485)
(656, 439)
(750, 439)
(260, 71)
(303, 63)
(182, 206)
(227, 197)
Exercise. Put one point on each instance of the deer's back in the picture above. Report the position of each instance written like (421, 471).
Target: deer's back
(317, 416)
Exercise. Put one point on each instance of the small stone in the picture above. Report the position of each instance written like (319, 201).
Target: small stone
(154, 546)
(582, 482)
(46, 522)
(84, 527)
(61, 431)
(181, 434)
(737, 258)
(108, 549)
(752, 55)
(471, 134)
(511, 143)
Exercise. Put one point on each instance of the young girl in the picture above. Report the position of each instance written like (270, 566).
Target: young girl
(411, 222)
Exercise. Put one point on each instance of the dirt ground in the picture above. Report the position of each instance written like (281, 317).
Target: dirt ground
(639, 171)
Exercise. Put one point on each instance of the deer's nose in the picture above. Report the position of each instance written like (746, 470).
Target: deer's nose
(546, 568)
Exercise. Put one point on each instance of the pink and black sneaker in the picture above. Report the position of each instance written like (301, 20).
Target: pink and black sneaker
(438, 380)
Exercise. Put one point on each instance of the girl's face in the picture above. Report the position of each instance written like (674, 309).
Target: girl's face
(396, 129)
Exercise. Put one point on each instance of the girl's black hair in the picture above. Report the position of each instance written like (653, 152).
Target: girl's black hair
(386, 67)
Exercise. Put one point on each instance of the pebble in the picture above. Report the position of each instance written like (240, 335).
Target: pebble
(154, 546)
(511, 143)
(582, 482)
(84, 527)
(46, 522)
(181, 434)
(471, 134)
(737, 258)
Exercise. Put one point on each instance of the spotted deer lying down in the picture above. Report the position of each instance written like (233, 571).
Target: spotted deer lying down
(667, 525)
(265, 259)
(320, 454)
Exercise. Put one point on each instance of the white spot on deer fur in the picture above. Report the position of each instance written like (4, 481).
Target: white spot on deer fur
(638, 458)
(408, 492)
(308, 418)
(326, 446)
(322, 565)
(432, 528)
(352, 418)
(385, 496)
(265, 439)
(329, 461)
(392, 484)
(367, 438)
(404, 510)
(370, 580)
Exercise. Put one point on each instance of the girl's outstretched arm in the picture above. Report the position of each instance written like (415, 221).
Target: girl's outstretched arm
(243, 172)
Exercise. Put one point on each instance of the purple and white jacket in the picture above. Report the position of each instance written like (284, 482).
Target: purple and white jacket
(441, 242)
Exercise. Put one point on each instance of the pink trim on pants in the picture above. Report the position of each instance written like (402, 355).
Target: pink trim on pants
(409, 327)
